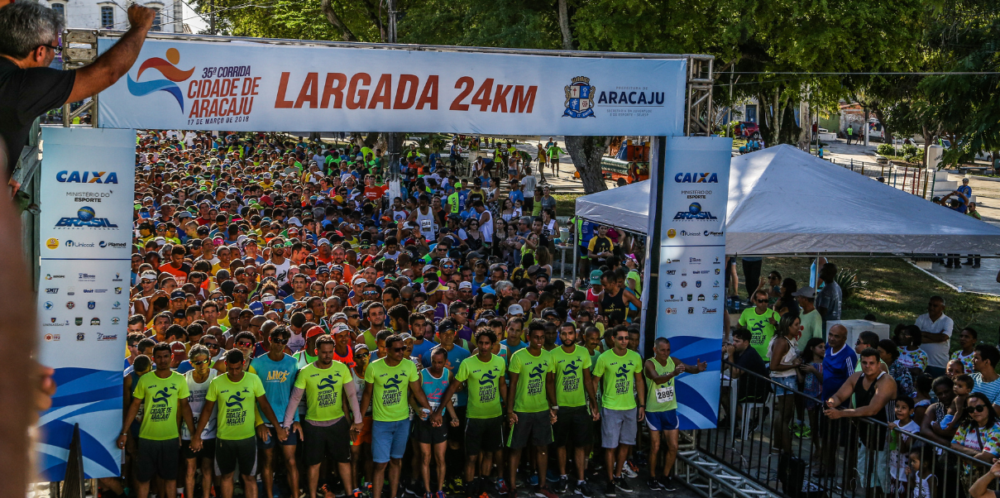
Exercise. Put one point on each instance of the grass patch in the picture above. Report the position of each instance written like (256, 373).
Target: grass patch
(898, 293)
(566, 204)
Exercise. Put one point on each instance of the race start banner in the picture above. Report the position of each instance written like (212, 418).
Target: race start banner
(691, 284)
(85, 226)
(245, 86)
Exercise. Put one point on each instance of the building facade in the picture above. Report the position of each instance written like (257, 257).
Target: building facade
(112, 14)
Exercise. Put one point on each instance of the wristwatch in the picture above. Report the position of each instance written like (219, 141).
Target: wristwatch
(556, 407)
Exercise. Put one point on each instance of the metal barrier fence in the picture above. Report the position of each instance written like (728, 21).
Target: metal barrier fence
(756, 441)
(916, 181)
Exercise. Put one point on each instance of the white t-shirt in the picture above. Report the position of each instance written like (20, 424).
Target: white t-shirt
(529, 182)
(937, 352)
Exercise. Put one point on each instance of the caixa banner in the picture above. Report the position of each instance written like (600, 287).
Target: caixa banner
(261, 87)
(85, 230)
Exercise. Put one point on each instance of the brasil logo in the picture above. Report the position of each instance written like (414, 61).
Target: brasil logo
(168, 69)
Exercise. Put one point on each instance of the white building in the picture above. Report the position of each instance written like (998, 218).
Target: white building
(111, 14)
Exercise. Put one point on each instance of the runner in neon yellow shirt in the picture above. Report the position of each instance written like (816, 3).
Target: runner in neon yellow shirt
(326, 431)
(619, 420)
(235, 441)
(388, 384)
(661, 408)
(163, 394)
(533, 408)
(574, 391)
(483, 375)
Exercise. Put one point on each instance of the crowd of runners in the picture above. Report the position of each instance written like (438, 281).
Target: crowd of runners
(296, 324)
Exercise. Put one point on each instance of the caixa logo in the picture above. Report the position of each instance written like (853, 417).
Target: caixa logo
(85, 218)
(87, 177)
(696, 178)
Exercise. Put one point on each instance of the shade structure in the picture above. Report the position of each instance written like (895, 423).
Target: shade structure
(785, 201)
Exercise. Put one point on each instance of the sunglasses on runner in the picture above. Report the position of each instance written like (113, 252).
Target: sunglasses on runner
(211, 345)
(199, 363)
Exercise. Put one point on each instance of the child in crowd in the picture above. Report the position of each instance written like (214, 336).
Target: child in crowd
(910, 354)
(899, 444)
(925, 396)
(964, 384)
(811, 377)
(954, 368)
(918, 472)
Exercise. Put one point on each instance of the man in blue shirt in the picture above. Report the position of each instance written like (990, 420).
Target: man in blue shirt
(838, 366)
(277, 372)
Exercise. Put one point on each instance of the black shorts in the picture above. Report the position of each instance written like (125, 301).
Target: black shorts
(483, 435)
(595, 432)
(529, 202)
(333, 441)
(229, 452)
(455, 433)
(535, 428)
(157, 458)
(207, 450)
(574, 427)
(426, 433)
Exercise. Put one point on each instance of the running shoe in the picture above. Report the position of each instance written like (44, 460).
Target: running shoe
(533, 480)
(501, 486)
(630, 470)
(440, 494)
(561, 485)
(551, 476)
(583, 489)
(610, 489)
(541, 492)
(667, 483)
(653, 484)
(623, 485)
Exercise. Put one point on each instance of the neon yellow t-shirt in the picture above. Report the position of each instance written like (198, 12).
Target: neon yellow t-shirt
(617, 392)
(570, 391)
(533, 371)
(160, 396)
(324, 390)
(484, 380)
(390, 388)
(235, 404)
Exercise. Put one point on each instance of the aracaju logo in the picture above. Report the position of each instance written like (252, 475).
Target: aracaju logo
(168, 68)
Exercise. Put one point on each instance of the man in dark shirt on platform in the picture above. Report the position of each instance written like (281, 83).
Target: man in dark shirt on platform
(29, 41)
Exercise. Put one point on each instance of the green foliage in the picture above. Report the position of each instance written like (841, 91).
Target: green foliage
(885, 150)
(910, 150)
(965, 309)
(849, 283)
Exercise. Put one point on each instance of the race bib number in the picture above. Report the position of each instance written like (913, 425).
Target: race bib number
(664, 393)
(425, 225)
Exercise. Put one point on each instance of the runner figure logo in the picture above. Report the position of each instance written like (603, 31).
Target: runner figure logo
(169, 70)
(579, 98)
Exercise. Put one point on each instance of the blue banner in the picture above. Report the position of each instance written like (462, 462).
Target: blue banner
(85, 227)
(691, 286)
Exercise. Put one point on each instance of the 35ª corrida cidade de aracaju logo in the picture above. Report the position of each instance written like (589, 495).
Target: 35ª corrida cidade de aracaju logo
(168, 68)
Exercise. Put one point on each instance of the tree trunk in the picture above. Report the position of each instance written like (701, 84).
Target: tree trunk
(777, 117)
(805, 126)
(567, 36)
(586, 153)
(332, 18)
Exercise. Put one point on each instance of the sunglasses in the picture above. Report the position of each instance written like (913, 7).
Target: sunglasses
(761, 301)
(278, 341)
(239, 292)
(199, 363)
(399, 349)
(212, 346)
(977, 408)
(244, 345)
(353, 317)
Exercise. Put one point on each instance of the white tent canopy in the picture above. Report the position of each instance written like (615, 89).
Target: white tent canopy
(785, 201)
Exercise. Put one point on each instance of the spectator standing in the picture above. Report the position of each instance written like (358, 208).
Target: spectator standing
(967, 342)
(529, 182)
(889, 354)
(838, 365)
(936, 329)
(29, 42)
(985, 360)
(978, 436)
(749, 388)
(830, 297)
(910, 353)
(812, 322)
(751, 273)
(760, 321)
(872, 390)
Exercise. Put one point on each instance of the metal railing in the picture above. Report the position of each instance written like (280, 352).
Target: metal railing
(755, 441)
(913, 180)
